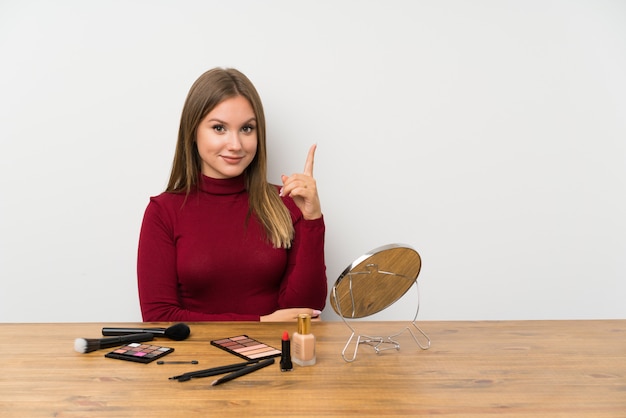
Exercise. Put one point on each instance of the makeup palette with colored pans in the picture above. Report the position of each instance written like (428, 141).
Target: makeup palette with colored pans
(140, 353)
(246, 347)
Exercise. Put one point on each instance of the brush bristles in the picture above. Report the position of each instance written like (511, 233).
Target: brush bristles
(177, 332)
(84, 345)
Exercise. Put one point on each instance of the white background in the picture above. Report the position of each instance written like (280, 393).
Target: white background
(488, 135)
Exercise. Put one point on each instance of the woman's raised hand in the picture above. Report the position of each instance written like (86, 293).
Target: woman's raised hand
(302, 188)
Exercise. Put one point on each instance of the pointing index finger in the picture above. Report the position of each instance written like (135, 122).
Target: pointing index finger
(310, 158)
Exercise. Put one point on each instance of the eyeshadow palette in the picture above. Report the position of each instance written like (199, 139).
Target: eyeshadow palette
(138, 352)
(246, 347)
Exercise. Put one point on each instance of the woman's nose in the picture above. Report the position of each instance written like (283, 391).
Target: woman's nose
(234, 142)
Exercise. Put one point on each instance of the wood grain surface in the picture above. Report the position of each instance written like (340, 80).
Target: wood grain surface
(473, 369)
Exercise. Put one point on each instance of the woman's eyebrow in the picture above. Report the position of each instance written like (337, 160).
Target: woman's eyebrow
(252, 119)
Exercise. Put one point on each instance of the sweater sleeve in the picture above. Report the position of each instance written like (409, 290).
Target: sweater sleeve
(304, 284)
(157, 275)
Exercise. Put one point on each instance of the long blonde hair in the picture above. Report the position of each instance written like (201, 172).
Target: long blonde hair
(210, 89)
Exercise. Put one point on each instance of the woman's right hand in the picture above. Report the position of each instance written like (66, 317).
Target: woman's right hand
(290, 315)
(302, 188)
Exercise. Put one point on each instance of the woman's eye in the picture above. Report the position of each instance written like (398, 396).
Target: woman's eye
(218, 128)
(247, 129)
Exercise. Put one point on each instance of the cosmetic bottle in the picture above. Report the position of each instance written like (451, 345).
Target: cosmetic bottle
(303, 342)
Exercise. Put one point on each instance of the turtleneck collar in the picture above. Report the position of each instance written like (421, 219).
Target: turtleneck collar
(232, 185)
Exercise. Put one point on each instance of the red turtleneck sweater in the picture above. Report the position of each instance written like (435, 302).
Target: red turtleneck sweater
(199, 260)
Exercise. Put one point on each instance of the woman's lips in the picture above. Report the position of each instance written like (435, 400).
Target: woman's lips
(231, 160)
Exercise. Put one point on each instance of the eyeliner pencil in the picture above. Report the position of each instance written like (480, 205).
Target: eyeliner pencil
(243, 371)
(214, 370)
(225, 369)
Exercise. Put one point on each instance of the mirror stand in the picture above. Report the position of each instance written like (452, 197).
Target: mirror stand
(380, 343)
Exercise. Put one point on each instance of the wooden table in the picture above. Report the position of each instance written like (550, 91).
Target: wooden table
(509, 368)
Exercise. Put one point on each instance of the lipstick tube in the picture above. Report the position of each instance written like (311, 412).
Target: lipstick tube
(285, 357)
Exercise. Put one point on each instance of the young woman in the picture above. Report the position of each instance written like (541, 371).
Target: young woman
(221, 243)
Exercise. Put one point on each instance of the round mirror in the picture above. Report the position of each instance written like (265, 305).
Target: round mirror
(375, 281)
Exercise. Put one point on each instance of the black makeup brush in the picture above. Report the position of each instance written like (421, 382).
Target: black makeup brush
(87, 345)
(177, 332)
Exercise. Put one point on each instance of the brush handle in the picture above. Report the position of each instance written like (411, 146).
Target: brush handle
(121, 340)
(243, 371)
(125, 331)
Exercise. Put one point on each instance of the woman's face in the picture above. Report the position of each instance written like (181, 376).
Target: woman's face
(227, 138)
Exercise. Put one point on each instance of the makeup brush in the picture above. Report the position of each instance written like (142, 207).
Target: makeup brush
(87, 345)
(177, 332)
